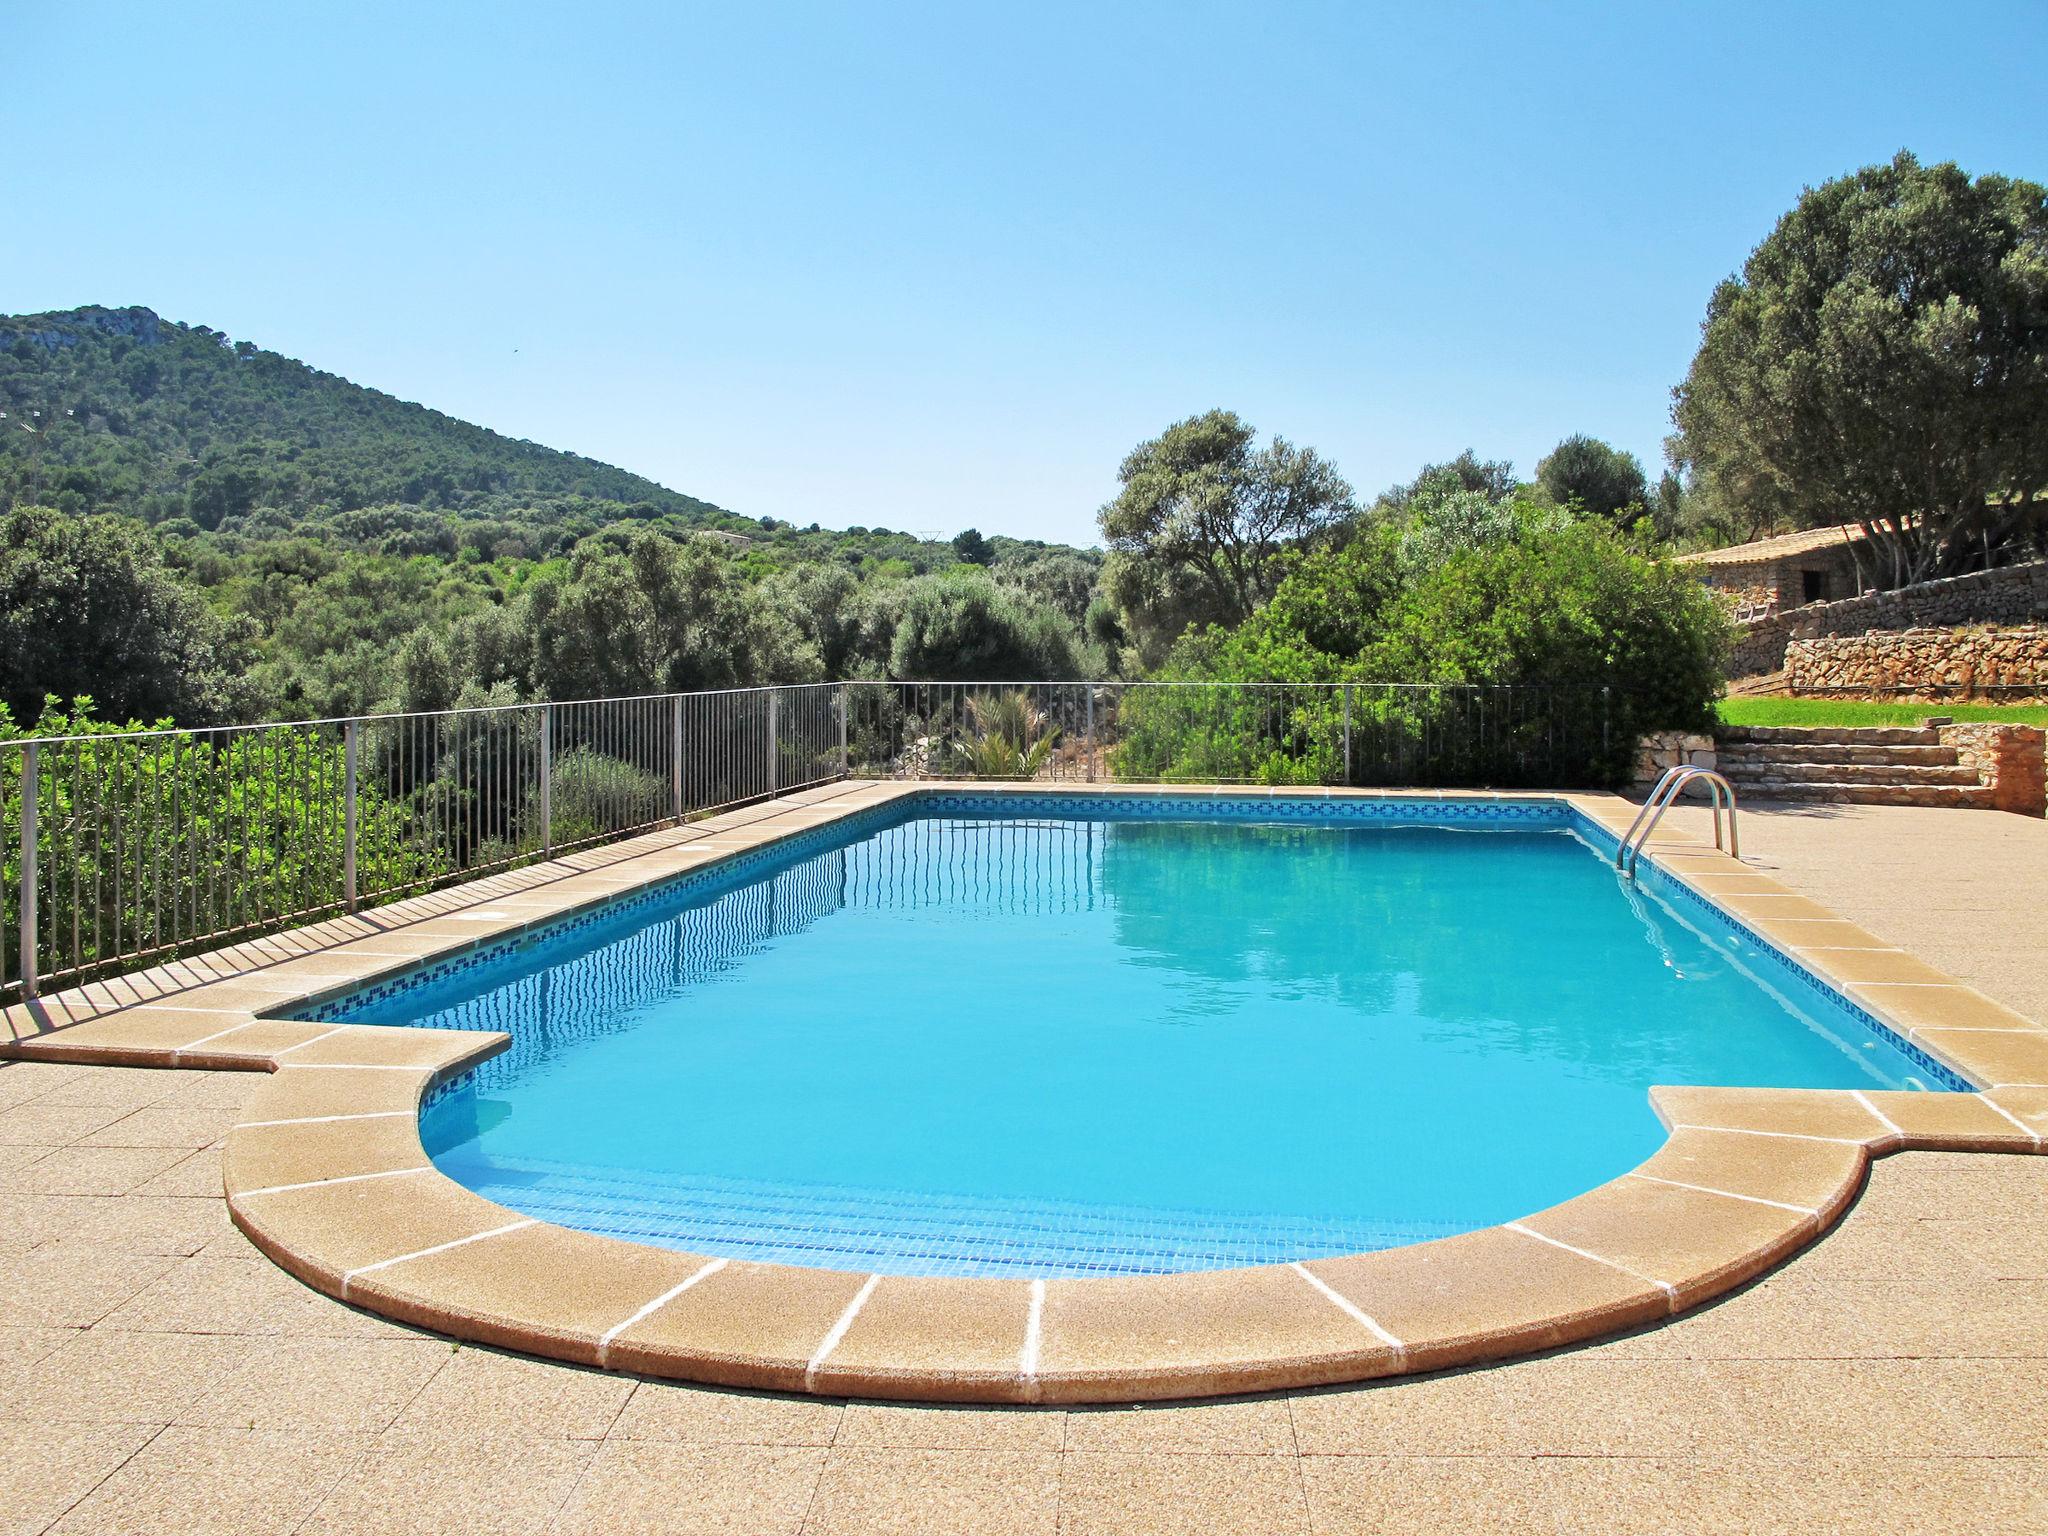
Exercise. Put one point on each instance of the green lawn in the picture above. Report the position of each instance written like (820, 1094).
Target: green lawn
(1863, 712)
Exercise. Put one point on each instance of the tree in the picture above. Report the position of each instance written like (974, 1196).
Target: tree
(972, 548)
(1882, 359)
(960, 626)
(1062, 581)
(1598, 479)
(1492, 478)
(88, 609)
(1556, 607)
(655, 615)
(1201, 502)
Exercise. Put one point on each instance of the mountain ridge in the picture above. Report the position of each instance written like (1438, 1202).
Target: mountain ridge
(160, 410)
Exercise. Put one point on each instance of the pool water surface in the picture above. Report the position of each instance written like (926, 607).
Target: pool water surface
(957, 1041)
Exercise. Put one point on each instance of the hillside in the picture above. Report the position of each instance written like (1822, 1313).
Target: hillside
(167, 420)
(353, 551)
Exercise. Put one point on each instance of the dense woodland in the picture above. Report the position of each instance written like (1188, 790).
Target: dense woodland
(204, 531)
(233, 535)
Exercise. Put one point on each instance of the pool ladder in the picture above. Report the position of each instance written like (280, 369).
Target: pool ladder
(1668, 789)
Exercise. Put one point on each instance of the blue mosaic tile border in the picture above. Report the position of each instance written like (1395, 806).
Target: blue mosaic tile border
(1220, 805)
(1655, 879)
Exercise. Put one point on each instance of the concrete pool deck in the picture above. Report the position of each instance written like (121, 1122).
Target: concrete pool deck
(161, 1375)
(327, 1176)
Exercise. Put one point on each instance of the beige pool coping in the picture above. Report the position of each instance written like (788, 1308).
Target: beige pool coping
(327, 1175)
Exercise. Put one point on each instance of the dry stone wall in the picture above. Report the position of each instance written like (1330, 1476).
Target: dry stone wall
(1944, 663)
(1663, 750)
(2011, 594)
(2012, 760)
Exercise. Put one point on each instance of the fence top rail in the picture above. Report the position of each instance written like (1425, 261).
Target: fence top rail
(398, 715)
(1591, 689)
(109, 738)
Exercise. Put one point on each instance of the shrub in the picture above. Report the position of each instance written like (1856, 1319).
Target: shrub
(1599, 644)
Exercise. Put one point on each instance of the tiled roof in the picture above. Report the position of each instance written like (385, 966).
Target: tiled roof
(1778, 547)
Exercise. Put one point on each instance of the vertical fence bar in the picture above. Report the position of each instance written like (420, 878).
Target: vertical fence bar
(30, 757)
(1347, 734)
(675, 755)
(547, 781)
(843, 699)
(774, 744)
(1089, 689)
(348, 814)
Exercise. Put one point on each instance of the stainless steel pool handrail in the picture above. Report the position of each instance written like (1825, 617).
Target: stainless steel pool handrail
(1668, 789)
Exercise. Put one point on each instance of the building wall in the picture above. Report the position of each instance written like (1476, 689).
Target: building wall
(1791, 581)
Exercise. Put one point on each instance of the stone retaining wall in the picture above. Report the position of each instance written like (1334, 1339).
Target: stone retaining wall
(2011, 594)
(2011, 759)
(1947, 663)
(1669, 749)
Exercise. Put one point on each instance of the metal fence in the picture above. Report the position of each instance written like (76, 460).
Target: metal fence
(123, 848)
(1368, 734)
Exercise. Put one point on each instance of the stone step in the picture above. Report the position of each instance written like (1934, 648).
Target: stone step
(1835, 735)
(1797, 772)
(1957, 796)
(1830, 752)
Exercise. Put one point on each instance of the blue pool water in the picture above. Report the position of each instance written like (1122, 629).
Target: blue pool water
(988, 1040)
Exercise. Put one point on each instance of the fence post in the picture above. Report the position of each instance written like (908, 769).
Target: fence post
(1091, 732)
(1347, 735)
(348, 813)
(1604, 717)
(675, 755)
(29, 775)
(774, 740)
(547, 781)
(845, 758)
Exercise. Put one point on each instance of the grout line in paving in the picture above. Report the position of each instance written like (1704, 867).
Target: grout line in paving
(349, 1178)
(421, 1253)
(1357, 1314)
(838, 1330)
(1883, 1119)
(2015, 1119)
(604, 1344)
(1725, 1194)
(1670, 1291)
(1745, 1130)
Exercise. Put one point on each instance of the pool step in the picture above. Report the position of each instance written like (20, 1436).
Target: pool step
(1852, 765)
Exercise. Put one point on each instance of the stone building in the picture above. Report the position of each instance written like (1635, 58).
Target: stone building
(1790, 570)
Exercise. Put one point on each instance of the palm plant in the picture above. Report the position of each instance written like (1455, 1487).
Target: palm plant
(1011, 737)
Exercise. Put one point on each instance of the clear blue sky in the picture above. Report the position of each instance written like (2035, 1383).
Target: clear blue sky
(932, 266)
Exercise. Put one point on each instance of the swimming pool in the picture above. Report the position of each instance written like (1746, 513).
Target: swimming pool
(979, 1034)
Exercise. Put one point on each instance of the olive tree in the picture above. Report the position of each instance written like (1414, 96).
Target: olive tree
(1208, 511)
(1882, 359)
